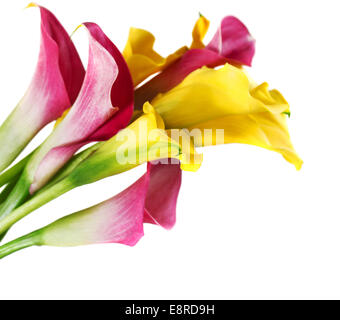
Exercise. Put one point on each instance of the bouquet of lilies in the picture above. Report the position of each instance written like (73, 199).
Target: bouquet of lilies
(128, 108)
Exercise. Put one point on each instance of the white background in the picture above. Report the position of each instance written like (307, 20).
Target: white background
(249, 225)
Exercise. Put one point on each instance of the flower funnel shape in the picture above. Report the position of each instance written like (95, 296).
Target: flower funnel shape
(151, 199)
(219, 106)
(54, 88)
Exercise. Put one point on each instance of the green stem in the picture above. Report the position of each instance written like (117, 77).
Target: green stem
(15, 171)
(7, 191)
(71, 165)
(34, 203)
(17, 194)
(32, 239)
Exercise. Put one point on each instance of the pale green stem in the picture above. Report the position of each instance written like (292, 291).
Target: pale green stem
(7, 191)
(15, 171)
(16, 197)
(32, 239)
(71, 165)
(19, 192)
(34, 203)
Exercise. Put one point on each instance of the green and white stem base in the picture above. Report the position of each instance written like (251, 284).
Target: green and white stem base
(32, 239)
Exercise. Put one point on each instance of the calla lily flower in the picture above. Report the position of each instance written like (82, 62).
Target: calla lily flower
(142, 141)
(232, 43)
(55, 85)
(103, 107)
(117, 220)
(222, 107)
(142, 59)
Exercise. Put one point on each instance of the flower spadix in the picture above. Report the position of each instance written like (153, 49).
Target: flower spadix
(55, 86)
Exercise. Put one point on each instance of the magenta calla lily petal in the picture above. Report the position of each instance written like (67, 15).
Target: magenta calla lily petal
(232, 43)
(92, 116)
(71, 67)
(176, 72)
(161, 198)
(121, 92)
(151, 199)
(55, 85)
(117, 220)
(92, 108)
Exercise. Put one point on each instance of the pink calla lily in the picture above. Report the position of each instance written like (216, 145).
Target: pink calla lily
(232, 43)
(161, 198)
(55, 85)
(121, 91)
(103, 106)
(117, 220)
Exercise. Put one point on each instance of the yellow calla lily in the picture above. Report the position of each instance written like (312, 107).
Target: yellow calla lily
(146, 140)
(143, 60)
(207, 94)
(224, 107)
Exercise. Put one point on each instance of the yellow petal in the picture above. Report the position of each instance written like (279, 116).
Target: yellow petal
(267, 130)
(271, 98)
(200, 29)
(224, 107)
(263, 129)
(207, 94)
(142, 59)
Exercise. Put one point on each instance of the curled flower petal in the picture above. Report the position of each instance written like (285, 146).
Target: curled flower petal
(151, 199)
(263, 129)
(92, 108)
(121, 92)
(104, 106)
(220, 106)
(119, 219)
(161, 198)
(198, 33)
(142, 59)
(233, 41)
(207, 94)
(55, 85)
